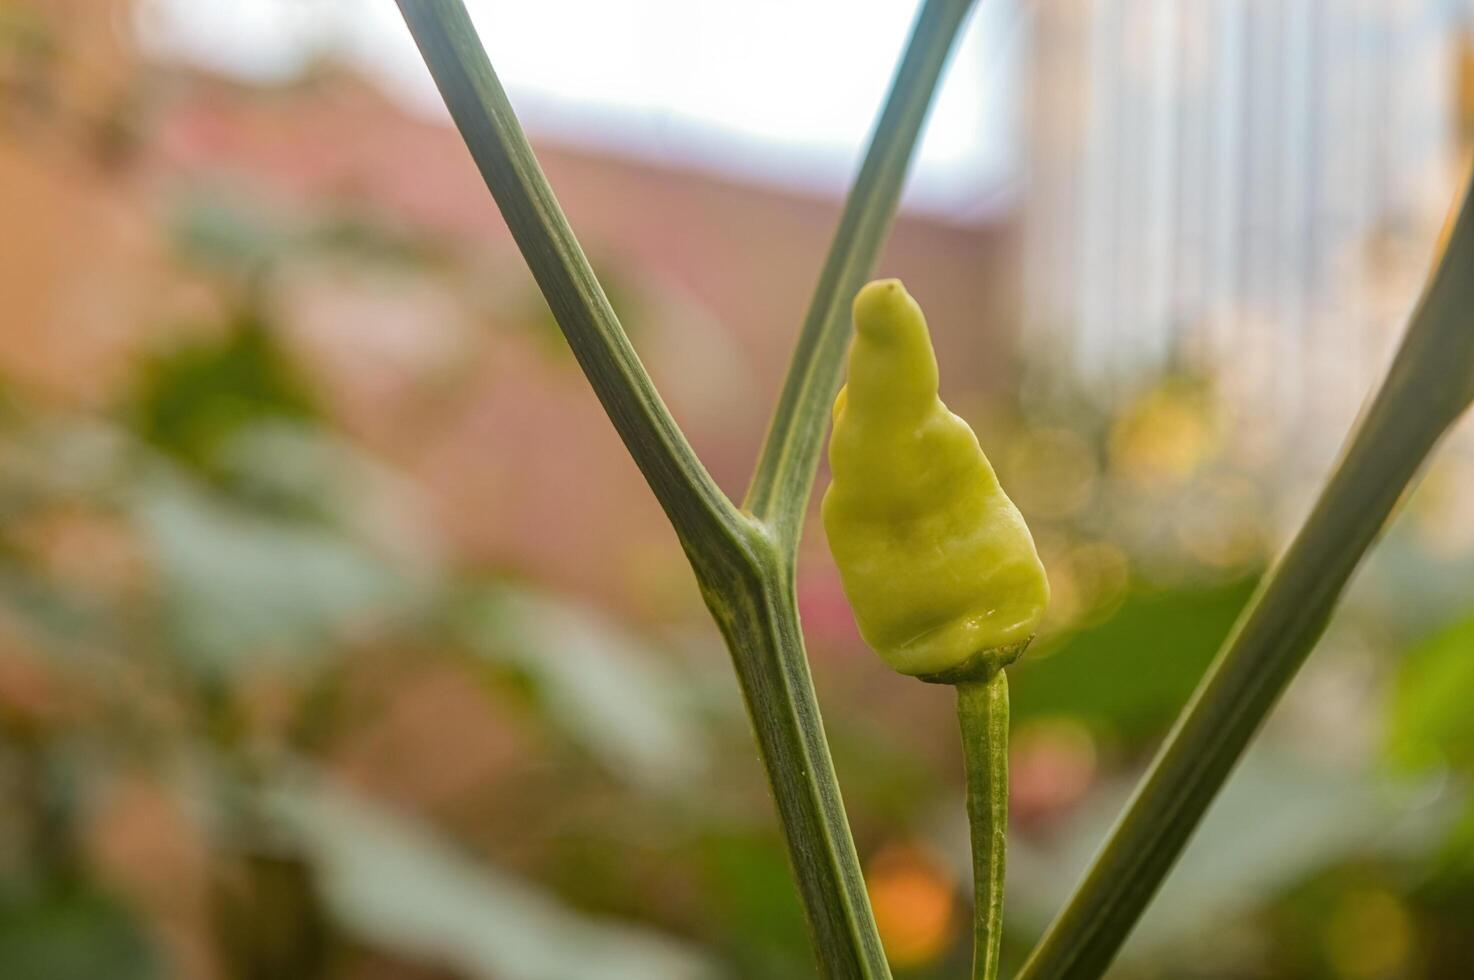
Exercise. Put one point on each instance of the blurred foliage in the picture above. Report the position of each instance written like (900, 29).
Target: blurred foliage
(225, 230)
(192, 400)
(599, 684)
(1163, 640)
(1431, 724)
(265, 550)
(73, 933)
(243, 585)
(748, 879)
(392, 883)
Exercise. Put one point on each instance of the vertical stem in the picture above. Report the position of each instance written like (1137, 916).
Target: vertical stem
(1428, 386)
(784, 477)
(982, 715)
(758, 617)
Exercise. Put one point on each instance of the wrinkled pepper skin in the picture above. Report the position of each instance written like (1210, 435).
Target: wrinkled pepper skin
(936, 561)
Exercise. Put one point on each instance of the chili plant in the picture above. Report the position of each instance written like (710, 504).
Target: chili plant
(743, 554)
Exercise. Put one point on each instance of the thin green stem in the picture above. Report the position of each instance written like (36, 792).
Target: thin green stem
(743, 570)
(758, 618)
(447, 39)
(982, 716)
(1426, 389)
(784, 476)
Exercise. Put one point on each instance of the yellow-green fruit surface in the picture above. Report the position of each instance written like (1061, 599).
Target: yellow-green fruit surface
(936, 561)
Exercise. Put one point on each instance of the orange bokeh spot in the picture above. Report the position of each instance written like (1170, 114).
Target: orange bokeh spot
(914, 902)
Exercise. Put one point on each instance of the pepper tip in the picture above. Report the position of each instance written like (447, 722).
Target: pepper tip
(879, 304)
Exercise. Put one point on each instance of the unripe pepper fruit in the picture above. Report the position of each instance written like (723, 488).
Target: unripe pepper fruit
(936, 561)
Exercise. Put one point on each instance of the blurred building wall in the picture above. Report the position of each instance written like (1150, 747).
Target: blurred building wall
(80, 257)
(1250, 189)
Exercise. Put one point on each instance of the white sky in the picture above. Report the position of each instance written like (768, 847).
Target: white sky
(780, 90)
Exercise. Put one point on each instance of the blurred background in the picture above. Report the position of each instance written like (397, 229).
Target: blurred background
(339, 637)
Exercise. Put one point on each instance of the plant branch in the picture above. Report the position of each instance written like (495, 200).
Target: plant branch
(743, 571)
(1428, 386)
(982, 716)
(759, 621)
(447, 39)
(784, 476)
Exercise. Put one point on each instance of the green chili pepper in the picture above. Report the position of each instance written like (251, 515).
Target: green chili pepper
(937, 562)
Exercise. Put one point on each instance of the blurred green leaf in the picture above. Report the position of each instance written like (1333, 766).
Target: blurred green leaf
(24, 30)
(1278, 820)
(192, 399)
(72, 933)
(1430, 719)
(601, 684)
(228, 229)
(751, 887)
(1130, 675)
(1455, 858)
(360, 237)
(57, 618)
(268, 918)
(241, 586)
(300, 471)
(393, 883)
(222, 229)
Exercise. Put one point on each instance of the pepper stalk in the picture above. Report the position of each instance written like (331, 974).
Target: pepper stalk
(982, 717)
(937, 562)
